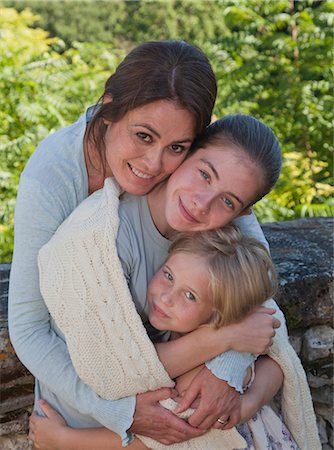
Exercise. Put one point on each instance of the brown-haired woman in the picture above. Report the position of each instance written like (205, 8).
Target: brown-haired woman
(159, 98)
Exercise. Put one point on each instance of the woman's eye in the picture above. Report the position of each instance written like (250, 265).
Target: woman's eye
(204, 175)
(144, 137)
(190, 296)
(177, 148)
(228, 202)
(168, 275)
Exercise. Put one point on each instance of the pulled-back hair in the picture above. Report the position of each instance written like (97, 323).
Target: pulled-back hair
(254, 138)
(240, 271)
(157, 70)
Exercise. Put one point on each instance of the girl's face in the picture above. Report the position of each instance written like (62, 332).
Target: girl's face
(178, 295)
(148, 144)
(211, 188)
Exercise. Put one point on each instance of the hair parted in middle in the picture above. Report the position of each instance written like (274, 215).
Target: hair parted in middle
(241, 273)
(251, 136)
(171, 70)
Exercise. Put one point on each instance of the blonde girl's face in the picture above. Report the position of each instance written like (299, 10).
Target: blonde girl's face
(211, 188)
(148, 144)
(179, 295)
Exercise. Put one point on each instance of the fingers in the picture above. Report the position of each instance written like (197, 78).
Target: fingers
(48, 410)
(163, 394)
(188, 397)
(276, 323)
(177, 430)
(265, 310)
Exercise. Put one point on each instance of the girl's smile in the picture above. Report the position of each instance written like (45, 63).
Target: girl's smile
(179, 298)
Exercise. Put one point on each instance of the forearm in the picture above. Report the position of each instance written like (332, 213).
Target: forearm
(37, 345)
(94, 439)
(267, 382)
(189, 351)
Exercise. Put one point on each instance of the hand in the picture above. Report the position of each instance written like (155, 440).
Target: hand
(152, 420)
(255, 333)
(45, 431)
(217, 399)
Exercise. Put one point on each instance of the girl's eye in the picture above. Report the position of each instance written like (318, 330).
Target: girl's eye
(205, 175)
(177, 148)
(190, 296)
(144, 137)
(228, 202)
(168, 275)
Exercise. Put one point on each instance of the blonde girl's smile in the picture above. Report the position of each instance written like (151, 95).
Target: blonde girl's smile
(179, 299)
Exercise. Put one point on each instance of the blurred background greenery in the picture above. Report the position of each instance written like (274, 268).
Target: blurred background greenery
(273, 60)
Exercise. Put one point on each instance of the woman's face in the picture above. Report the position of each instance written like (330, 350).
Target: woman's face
(211, 188)
(179, 294)
(148, 144)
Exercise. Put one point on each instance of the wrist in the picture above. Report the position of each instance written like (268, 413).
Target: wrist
(249, 406)
(65, 438)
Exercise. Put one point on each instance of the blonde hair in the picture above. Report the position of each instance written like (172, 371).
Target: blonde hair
(241, 273)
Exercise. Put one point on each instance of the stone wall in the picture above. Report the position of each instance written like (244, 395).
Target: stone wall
(303, 253)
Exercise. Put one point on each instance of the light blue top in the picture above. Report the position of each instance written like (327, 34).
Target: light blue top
(53, 183)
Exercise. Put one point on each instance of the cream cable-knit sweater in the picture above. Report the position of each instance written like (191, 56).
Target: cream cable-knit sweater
(83, 285)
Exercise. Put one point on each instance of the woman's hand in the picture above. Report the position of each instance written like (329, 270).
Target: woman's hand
(255, 333)
(216, 400)
(152, 420)
(46, 432)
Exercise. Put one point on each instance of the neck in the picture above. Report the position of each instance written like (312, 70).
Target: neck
(156, 203)
(95, 172)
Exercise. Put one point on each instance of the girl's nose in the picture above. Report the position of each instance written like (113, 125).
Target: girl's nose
(167, 297)
(202, 202)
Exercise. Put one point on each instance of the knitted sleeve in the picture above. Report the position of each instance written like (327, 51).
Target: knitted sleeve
(297, 408)
(83, 285)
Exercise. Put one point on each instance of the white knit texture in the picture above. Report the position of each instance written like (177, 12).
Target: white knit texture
(213, 440)
(297, 407)
(82, 283)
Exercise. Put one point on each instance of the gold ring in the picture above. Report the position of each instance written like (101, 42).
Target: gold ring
(223, 422)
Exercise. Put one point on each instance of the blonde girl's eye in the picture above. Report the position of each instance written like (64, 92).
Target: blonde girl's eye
(228, 202)
(205, 175)
(144, 137)
(190, 296)
(168, 275)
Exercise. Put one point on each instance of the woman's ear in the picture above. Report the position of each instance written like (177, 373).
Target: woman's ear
(106, 98)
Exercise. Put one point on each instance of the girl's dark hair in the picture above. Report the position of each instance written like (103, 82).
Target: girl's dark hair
(251, 136)
(157, 70)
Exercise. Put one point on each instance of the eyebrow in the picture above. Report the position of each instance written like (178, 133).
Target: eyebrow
(208, 163)
(153, 131)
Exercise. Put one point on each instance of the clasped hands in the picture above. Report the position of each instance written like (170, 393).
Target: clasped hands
(211, 397)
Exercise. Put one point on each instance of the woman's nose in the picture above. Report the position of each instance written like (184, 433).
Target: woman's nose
(153, 160)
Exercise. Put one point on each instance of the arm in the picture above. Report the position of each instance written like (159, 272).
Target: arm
(46, 355)
(267, 382)
(52, 433)
(38, 214)
(231, 366)
(253, 334)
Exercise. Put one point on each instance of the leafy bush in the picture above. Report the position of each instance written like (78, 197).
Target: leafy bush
(272, 60)
(42, 88)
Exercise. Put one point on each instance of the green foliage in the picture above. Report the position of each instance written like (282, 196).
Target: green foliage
(273, 59)
(276, 64)
(42, 89)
